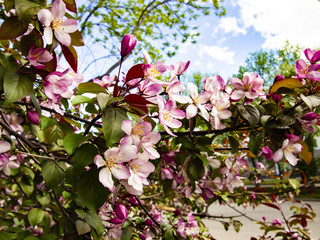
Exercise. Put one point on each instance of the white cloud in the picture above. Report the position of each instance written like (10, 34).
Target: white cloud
(230, 24)
(222, 54)
(278, 21)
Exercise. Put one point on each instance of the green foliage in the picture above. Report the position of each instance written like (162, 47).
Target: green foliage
(268, 64)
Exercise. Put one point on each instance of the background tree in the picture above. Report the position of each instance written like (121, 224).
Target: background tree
(268, 64)
(159, 25)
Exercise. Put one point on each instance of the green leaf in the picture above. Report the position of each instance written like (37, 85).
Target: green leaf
(105, 99)
(16, 86)
(126, 233)
(94, 221)
(84, 155)
(111, 124)
(90, 191)
(295, 183)
(168, 234)
(78, 99)
(47, 122)
(255, 143)
(35, 216)
(72, 141)
(43, 198)
(312, 101)
(24, 8)
(234, 144)
(250, 113)
(52, 174)
(12, 28)
(196, 168)
(27, 185)
(203, 159)
(90, 87)
(7, 236)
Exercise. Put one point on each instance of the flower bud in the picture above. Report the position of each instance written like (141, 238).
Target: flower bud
(33, 117)
(276, 98)
(148, 222)
(278, 78)
(128, 43)
(133, 201)
(121, 211)
(309, 116)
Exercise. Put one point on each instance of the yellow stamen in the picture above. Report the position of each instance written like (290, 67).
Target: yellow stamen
(167, 116)
(153, 71)
(56, 25)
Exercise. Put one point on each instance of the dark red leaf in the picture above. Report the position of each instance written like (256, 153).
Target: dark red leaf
(71, 56)
(303, 222)
(301, 216)
(71, 5)
(274, 197)
(137, 101)
(271, 205)
(135, 72)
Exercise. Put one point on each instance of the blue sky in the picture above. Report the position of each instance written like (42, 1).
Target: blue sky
(248, 26)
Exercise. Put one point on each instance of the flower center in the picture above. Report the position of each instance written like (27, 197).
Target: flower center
(36, 56)
(304, 71)
(56, 25)
(138, 130)
(167, 116)
(152, 71)
(110, 162)
(197, 100)
(290, 148)
(136, 168)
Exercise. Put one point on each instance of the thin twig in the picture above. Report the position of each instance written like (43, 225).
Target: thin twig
(145, 210)
(64, 212)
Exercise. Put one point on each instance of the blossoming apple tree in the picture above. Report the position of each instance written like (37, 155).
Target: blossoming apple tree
(128, 156)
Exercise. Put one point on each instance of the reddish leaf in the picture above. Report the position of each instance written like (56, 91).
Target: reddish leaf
(71, 5)
(303, 222)
(135, 72)
(138, 101)
(291, 83)
(301, 216)
(274, 197)
(305, 154)
(71, 56)
(76, 39)
(271, 205)
(52, 65)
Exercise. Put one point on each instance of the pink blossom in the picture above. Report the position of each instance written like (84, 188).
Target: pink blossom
(276, 222)
(54, 23)
(105, 80)
(289, 147)
(56, 85)
(174, 90)
(14, 121)
(112, 164)
(168, 115)
(250, 87)
(167, 173)
(140, 168)
(38, 56)
(312, 55)
(308, 120)
(198, 101)
(219, 111)
(128, 43)
(151, 71)
(213, 82)
(304, 71)
(179, 68)
(266, 151)
(181, 228)
(120, 213)
(7, 162)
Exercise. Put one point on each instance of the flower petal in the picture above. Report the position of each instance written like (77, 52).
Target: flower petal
(105, 178)
(45, 17)
(120, 171)
(63, 37)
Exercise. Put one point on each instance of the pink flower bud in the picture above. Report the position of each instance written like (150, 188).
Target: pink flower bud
(128, 43)
(276, 222)
(33, 117)
(265, 151)
(167, 173)
(133, 201)
(278, 78)
(148, 222)
(276, 98)
(309, 116)
(121, 211)
(264, 218)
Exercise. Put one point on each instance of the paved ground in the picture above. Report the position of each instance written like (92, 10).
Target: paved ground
(250, 228)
